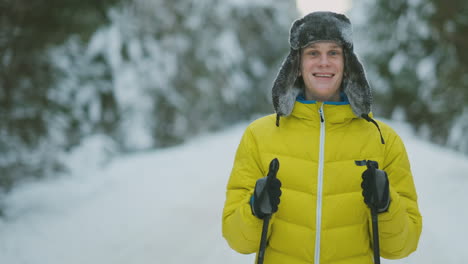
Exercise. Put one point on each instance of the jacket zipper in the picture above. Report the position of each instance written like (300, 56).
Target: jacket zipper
(318, 219)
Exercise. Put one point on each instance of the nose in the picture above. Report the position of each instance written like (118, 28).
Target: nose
(324, 60)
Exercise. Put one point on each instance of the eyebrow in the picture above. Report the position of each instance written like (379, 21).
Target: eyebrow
(334, 46)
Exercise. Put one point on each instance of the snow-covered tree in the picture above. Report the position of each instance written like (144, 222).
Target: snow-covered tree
(179, 68)
(28, 30)
(416, 59)
(151, 74)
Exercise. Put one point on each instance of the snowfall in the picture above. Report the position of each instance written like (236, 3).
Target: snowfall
(165, 206)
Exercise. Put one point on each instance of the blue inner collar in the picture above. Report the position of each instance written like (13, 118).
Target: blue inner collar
(343, 100)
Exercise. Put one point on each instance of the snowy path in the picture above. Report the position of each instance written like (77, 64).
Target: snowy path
(165, 207)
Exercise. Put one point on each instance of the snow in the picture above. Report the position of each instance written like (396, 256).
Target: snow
(397, 62)
(426, 69)
(458, 132)
(165, 207)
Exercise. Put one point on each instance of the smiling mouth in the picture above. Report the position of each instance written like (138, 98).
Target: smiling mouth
(323, 75)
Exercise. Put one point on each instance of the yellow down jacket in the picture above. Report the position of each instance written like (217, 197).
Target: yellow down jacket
(322, 217)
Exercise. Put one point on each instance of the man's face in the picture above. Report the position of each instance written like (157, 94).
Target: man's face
(322, 66)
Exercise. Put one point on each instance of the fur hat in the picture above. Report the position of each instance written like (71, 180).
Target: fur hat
(321, 26)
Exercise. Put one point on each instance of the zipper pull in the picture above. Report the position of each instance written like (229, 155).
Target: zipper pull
(321, 113)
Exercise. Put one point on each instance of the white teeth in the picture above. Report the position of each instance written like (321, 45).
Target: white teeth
(323, 75)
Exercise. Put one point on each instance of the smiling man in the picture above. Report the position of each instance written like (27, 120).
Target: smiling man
(318, 204)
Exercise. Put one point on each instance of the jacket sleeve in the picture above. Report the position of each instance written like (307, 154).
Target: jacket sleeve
(240, 228)
(399, 227)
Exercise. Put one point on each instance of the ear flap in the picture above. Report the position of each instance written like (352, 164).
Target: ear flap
(284, 92)
(356, 86)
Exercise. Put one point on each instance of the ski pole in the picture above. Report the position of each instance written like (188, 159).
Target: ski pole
(373, 166)
(375, 219)
(273, 170)
(375, 234)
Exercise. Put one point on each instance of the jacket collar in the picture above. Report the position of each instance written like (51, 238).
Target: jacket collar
(333, 112)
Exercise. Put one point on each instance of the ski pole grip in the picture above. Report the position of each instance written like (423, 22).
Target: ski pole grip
(273, 170)
(372, 164)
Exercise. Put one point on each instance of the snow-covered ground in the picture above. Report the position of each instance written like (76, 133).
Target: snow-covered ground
(165, 207)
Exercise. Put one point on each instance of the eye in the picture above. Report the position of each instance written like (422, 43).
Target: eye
(313, 53)
(334, 52)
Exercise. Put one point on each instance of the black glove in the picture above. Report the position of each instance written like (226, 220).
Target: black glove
(375, 187)
(265, 199)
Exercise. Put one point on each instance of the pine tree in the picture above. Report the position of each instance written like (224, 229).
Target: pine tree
(143, 73)
(28, 30)
(415, 58)
(188, 72)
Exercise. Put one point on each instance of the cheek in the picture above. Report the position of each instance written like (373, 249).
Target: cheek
(341, 65)
(306, 65)
(341, 69)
